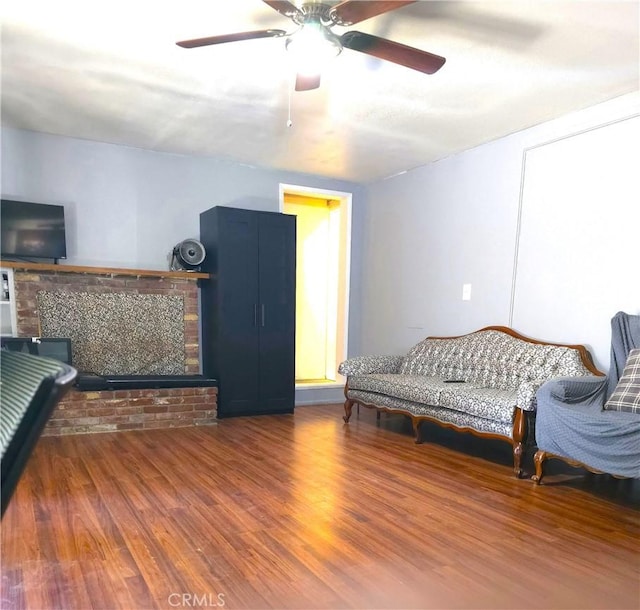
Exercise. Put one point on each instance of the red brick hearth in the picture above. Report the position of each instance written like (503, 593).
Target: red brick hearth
(106, 411)
(109, 411)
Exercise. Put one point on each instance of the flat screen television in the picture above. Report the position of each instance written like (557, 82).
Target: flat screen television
(32, 230)
(57, 348)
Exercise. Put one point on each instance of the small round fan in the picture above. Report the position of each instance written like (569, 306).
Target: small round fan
(188, 255)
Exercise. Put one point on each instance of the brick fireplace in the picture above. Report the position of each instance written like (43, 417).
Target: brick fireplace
(51, 298)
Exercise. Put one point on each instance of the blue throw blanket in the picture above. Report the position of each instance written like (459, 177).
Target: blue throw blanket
(571, 422)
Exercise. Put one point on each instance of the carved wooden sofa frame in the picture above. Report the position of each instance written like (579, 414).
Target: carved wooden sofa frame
(520, 425)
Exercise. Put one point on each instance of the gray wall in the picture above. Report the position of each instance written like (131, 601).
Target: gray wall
(127, 207)
(430, 230)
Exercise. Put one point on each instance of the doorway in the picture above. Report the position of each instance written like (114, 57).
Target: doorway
(322, 280)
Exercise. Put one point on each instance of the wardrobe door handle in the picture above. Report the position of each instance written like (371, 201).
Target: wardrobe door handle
(255, 314)
(262, 314)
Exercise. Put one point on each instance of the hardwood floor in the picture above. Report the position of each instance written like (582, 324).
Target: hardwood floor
(303, 511)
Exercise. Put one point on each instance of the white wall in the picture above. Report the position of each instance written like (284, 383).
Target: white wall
(581, 200)
(428, 231)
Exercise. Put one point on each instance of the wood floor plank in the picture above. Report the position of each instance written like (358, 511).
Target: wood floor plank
(303, 511)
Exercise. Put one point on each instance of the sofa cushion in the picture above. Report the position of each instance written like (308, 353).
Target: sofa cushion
(488, 403)
(626, 396)
(416, 388)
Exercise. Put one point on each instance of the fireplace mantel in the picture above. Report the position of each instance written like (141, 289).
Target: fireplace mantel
(111, 271)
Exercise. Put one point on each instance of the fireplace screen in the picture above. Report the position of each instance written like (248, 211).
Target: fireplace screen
(118, 333)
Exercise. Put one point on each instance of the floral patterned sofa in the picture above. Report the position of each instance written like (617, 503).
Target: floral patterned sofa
(482, 383)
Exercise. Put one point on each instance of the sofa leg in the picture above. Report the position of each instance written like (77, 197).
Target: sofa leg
(348, 405)
(538, 460)
(517, 459)
(415, 422)
(519, 433)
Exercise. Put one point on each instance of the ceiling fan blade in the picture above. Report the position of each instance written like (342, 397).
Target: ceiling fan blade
(306, 82)
(203, 42)
(284, 7)
(349, 12)
(393, 51)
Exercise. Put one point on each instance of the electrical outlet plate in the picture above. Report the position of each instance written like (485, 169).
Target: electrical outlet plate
(466, 292)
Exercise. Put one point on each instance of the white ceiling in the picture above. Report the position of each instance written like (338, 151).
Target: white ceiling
(110, 71)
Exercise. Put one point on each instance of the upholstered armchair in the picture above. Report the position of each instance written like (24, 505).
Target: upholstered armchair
(594, 422)
(31, 387)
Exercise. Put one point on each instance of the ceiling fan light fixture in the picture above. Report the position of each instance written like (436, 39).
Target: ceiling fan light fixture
(311, 47)
(313, 44)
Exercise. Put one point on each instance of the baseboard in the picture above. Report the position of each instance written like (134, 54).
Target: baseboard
(313, 403)
(327, 395)
(319, 386)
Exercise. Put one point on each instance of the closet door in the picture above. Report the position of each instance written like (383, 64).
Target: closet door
(277, 273)
(230, 308)
(239, 330)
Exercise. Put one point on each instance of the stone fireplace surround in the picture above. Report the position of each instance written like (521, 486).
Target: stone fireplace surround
(109, 411)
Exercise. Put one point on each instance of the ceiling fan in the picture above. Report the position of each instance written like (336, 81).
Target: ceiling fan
(313, 40)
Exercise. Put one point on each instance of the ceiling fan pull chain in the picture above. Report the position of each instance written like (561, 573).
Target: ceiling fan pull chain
(290, 88)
